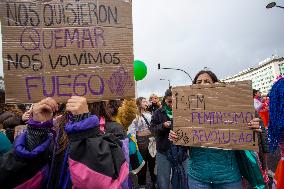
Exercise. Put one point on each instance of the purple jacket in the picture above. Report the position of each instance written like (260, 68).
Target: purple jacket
(94, 160)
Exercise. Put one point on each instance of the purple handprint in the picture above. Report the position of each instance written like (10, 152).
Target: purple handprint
(119, 81)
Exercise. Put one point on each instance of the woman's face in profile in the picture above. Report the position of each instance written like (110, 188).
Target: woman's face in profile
(204, 79)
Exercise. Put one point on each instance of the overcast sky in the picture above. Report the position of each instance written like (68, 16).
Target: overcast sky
(226, 36)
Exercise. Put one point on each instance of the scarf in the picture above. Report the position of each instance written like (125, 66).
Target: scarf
(169, 111)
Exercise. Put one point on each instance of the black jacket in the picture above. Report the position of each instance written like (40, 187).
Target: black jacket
(152, 108)
(162, 134)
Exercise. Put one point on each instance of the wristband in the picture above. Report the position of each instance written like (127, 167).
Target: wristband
(36, 124)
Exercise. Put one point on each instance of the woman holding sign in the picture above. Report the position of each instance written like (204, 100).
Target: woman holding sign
(90, 160)
(213, 168)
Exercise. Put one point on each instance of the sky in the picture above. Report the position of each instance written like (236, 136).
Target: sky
(226, 36)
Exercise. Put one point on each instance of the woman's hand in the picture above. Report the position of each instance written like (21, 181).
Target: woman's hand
(77, 105)
(43, 111)
(167, 124)
(254, 125)
(26, 115)
(172, 136)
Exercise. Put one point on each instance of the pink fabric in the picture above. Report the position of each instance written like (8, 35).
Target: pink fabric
(102, 124)
(33, 183)
(85, 178)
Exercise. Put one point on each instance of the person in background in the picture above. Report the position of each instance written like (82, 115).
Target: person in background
(140, 128)
(10, 117)
(264, 111)
(126, 113)
(161, 125)
(257, 102)
(213, 168)
(107, 112)
(154, 103)
(9, 121)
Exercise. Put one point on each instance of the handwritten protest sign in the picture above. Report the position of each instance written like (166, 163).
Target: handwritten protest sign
(215, 115)
(60, 48)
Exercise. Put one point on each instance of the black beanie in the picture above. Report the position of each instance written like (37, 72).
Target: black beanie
(168, 92)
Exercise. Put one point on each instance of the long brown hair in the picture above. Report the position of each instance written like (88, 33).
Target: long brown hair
(101, 109)
(63, 138)
(139, 105)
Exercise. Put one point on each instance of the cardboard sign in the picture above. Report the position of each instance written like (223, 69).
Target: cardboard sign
(215, 115)
(60, 48)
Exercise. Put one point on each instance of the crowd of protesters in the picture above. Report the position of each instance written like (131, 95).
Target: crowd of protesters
(108, 144)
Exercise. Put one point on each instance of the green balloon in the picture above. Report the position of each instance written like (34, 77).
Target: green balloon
(140, 70)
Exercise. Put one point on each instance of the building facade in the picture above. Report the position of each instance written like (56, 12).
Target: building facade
(263, 76)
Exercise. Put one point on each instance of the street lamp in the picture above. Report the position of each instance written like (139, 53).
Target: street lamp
(159, 67)
(168, 81)
(273, 4)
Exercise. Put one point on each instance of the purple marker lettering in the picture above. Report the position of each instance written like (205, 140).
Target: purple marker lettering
(58, 36)
(249, 117)
(28, 85)
(201, 132)
(214, 135)
(249, 137)
(192, 116)
(228, 139)
(87, 36)
(195, 134)
(43, 79)
(199, 118)
(81, 85)
(241, 139)
(233, 137)
(50, 39)
(237, 117)
(62, 84)
(207, 118)
(99, 33)
(219, 117)
(102, 85)
(73, 38)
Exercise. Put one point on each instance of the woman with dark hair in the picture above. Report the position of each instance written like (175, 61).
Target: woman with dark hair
(107, 111)
(205, 77)
(213, 168)
(140, 128)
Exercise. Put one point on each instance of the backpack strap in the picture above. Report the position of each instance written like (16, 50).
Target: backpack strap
(146, 121)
